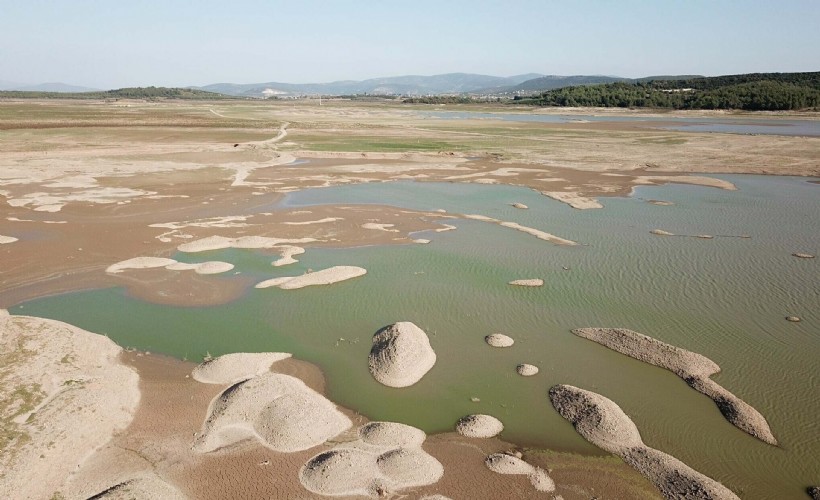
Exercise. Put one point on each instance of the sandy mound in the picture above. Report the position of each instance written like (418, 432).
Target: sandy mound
(211, 267)
(391, 434)
(232, 368)
(65, 394)
(401, 355)
(526, 370)
(520, 205)
(661, 232)
(479, 426)
(502, 463)
(797, 254)
(7, 239)
(693, 368)
(528, 282)
(603, 423)
(149, 487)
(499, 340)
(387, 458)
(279, 410)
(793, 319)
(421, 241)
(324, 277)
(541, 235)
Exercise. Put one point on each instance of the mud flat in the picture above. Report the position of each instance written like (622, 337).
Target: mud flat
(602, 422)
(695, 369)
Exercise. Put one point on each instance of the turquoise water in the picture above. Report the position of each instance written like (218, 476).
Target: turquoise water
(725, 298)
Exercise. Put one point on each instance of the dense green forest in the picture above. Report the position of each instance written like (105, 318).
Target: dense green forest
(751, 92)
(126, 93)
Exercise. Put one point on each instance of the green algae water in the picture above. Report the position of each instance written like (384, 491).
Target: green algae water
(725, 298)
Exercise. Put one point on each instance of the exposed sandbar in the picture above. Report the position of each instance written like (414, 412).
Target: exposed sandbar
(324, 277)
(247, 242)
(235, 367)
(602, 422)
(210, 267)
(801, 255)
(7, 239)
(695, 369)
(528, 282)
(573, 199)
(401, 355)
(287, 255)
(541, 235)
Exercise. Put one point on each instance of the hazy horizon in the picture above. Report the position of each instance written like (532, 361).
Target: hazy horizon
(102, 45)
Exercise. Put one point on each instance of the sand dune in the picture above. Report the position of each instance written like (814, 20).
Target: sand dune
(693, 368)
(279, 411)
(401, 355)
(232, 368)
(324, 277)
(602, 422)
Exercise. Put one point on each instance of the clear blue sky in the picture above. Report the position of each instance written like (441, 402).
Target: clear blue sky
(108, 44)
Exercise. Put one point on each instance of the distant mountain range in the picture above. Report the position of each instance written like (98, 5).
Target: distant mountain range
(409, 85)
(44, 87)
(451, 83)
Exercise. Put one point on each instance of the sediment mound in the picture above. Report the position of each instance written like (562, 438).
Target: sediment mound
(65, 394)
(232, 368)
(499, 340)
(387, 458)
(7, 239)
(288, 252)
(528, 282)
(401, 355)
(661, 232)
(324, 277)
(526, 370)
(279, 410)
(479, 426)
(248, 242)
(502, 463)
(602, 422)
(391, 434)
(520, 205)
(803, 255)
(695, 369)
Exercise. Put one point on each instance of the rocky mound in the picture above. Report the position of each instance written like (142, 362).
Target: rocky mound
(693, 368)
(386, 459)
(602, 422)
(401, 355)
(479, 426)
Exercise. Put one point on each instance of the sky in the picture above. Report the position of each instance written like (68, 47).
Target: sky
(113, 44)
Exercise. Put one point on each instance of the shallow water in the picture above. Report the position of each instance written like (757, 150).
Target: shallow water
(725, 298)
(726, 125)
